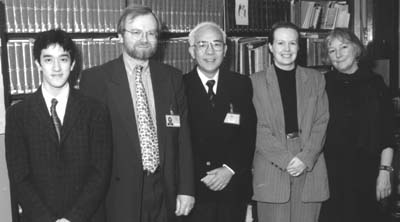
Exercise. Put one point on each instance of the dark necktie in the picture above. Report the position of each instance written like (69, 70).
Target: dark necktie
(211, 94)
(54, 117)
(147, 131)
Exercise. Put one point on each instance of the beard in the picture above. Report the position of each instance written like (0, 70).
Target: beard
(141, 53)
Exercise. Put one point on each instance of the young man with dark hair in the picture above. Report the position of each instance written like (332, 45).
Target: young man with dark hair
(58, 142)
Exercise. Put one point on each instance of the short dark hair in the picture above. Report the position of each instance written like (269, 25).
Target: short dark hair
(282, 24)
(54, 36)
(133, 11)
(57, 36)
(344, 35)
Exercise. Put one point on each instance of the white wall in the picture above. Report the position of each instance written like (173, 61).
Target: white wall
(5, 208)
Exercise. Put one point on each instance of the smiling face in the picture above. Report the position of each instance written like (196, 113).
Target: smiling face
(140, 36)
(55, 65)
(343, 55)
(207, 50)
(285, 48)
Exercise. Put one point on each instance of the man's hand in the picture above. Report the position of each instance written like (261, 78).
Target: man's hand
(217, 179)
(383, 186)
(184, 204)
(295, 167)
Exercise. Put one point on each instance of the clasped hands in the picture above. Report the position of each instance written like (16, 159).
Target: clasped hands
(295, 167)
(217, 179)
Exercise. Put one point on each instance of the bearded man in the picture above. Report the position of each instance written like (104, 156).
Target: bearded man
(152, 173)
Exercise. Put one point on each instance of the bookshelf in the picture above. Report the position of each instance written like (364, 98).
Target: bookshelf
(92, 24)
(314, 18)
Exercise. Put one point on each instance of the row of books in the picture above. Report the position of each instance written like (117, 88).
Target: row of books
(312, 51)
(29, 16)
(25, 77)
(175, 53)
(320, 14)
(183, 15)
(255, 15)
(247, 55)
(97, 51)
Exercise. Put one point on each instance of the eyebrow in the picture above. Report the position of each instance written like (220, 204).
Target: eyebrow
(61, 55)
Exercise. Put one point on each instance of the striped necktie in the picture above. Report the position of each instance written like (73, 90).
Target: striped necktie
(54, 117)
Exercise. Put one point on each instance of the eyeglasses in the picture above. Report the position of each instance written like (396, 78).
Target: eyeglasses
(138, 34)
(216, 45)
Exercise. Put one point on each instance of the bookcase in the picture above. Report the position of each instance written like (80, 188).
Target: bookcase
(315, 18)
(92, 24)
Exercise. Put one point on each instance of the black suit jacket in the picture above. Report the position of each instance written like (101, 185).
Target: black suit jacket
(109, 83)
(52, 179)
(216, 143)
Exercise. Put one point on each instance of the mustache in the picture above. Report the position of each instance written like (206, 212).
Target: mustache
(144, 44)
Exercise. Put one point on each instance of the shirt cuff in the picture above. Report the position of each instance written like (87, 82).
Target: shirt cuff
(230, 169)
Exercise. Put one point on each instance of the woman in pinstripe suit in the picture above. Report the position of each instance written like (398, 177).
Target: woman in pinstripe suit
(290, 179)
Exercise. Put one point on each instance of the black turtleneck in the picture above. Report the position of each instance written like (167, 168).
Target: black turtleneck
(287, 86)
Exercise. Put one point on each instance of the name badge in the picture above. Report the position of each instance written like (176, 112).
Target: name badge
(172, 121)
(231, 117)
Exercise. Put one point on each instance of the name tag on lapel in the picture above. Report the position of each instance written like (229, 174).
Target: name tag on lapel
(231, 117)
(172, 121)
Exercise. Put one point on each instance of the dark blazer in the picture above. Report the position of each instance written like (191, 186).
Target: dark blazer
(108, 83)
(216, 143)
(52, 179)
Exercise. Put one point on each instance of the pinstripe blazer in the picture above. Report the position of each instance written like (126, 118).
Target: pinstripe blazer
(271, 182)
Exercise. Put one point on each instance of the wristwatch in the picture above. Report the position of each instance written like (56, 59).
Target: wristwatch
(387, 168)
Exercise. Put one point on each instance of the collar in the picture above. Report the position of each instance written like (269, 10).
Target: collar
(62, 99)
(204, 80)
(62, 96)
(131, 63)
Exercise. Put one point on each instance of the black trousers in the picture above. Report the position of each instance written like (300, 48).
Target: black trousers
(153, 202)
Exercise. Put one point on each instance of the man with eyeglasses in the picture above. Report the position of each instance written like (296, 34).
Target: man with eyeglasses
(152, 175)
(223, 126)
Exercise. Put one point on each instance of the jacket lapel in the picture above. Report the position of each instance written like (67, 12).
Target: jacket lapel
(160, 91)
(222, 100)
(40, 109)
(121, 97)
(71, 114)
(302, 91)
(274, 93)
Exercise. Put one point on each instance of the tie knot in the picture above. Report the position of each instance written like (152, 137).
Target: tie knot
(138, 69)
(210, 83)
(54, 102)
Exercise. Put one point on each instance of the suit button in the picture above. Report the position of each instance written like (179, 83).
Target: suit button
(117, 179)
(208, 163)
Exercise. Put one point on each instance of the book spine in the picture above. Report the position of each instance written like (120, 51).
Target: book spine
(69, 11)
(26, 67)
(50, 14)
(10, 16)
(12, 67)
(31, 16)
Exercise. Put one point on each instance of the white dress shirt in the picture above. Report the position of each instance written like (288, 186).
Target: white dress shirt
(62, 99)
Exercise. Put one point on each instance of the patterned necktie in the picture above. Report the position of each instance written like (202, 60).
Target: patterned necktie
(147, 131)
(211, 94)
(54, 117)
